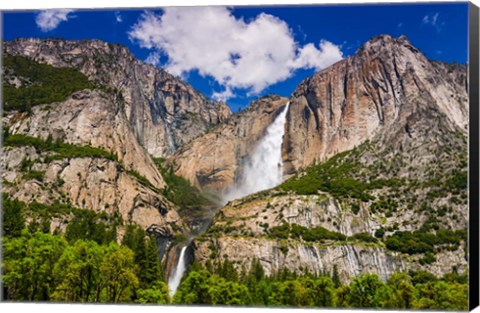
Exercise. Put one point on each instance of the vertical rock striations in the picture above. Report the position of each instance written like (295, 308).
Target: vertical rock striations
(377, 91)
(164, 111)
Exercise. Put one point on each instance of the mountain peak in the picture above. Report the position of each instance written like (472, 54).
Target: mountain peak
(385, 41)
(377, 91)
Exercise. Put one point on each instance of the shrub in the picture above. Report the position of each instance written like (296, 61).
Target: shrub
(37, 175)
(366, 237)
(421, 242)
(429, 258)
(63, 150)
(355, 208)
(282, 231)
(296, 231)
(379, 233)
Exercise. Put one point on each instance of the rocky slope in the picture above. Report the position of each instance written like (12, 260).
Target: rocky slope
(164, 111)
(378, 90)
(214, 160)
(247, 229)
(401, 179)
(87, 118)
(88, 183)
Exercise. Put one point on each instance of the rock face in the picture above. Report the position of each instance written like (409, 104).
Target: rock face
(405, 116)
(387, 88)
(240, 233)
(164, 111)
(403, 120)
(250, 214)
(134, 111)
(102, 185)
(88, 183)
(378, 90)
(351, 260)
(214, 160)
(89, 118)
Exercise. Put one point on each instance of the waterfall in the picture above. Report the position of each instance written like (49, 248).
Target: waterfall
(174, 279)
(264, 168)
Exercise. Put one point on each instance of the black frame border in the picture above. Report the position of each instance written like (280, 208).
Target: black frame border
(474, 234)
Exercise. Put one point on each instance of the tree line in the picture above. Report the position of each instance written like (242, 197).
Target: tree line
(80, 266)
(84, 264)
(223, 285)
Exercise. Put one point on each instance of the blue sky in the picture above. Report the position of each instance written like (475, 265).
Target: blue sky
(238, 54)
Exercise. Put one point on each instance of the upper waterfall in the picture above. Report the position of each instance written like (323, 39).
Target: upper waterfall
(264, 168)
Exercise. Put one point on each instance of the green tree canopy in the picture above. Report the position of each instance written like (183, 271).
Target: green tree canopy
(77, 273)
(368, 291)
(118, 273)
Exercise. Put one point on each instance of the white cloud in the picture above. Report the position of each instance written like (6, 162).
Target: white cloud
(153, 58)
(238, 54)
(311, 57)
(118, 17)
(432, 19)
(49, 20)
(223, 95)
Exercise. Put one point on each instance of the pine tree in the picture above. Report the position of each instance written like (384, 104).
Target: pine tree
(13, 217)
(150, 269)
(336, 276)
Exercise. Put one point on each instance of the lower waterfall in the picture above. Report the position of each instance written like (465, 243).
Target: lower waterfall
(176, 276)
(264, 168)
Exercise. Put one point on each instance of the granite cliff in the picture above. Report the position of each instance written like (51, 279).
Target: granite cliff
(83, 120)
(376, 92)
(164, 111)
(375, 152)
(374, 158)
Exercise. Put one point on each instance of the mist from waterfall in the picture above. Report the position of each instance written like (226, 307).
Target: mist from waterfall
(175, 279)
(264, 167)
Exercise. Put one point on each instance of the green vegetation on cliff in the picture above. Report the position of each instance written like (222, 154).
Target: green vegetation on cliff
(296, 231)
(435, 190)
(337, 176)
(180, 191)
(422, 242)
(41, 83)
(61, 149)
